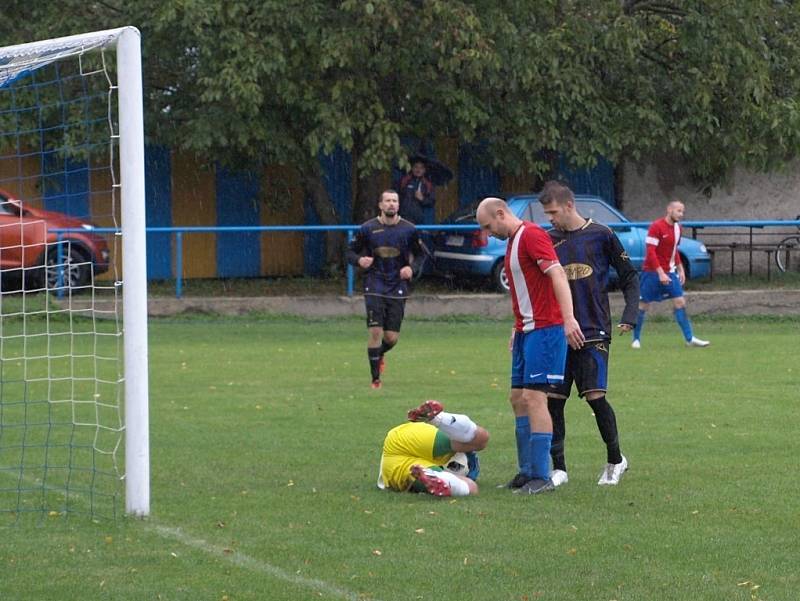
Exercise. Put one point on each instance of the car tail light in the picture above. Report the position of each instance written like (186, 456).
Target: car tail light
(480, 239)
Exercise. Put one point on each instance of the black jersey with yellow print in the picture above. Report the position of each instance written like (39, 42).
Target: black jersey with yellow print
(587, 254)
(392, 247)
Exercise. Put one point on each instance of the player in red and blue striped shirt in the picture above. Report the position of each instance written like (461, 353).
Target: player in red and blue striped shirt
(544, 325)
(663, 275)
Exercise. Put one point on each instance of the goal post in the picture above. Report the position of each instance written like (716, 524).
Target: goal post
(134, 268)
(64, 413)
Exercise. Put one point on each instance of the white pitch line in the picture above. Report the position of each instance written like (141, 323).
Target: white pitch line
(245, 561)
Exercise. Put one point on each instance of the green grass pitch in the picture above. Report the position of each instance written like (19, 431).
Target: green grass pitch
(265, 441)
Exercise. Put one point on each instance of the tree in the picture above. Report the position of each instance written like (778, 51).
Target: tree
(279, 81)
(715, 83)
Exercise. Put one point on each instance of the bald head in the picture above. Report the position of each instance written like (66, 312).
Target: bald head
(494, 216)
(490, 204)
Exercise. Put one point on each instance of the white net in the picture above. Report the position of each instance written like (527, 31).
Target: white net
(61, 354)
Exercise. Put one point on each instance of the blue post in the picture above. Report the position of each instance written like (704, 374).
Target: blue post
(351, 272)
(178, 264)
(59, 269)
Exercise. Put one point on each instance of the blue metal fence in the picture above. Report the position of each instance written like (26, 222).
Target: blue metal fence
(754, 229)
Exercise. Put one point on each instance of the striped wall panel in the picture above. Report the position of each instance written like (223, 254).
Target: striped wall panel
(193, 204)
(237, 196)
(281, 204)
(158, 206)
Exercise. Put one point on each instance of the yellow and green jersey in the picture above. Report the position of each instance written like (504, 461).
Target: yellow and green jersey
(409, 444)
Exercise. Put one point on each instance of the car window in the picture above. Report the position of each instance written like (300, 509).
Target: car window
(535, 213)
(597, 211)
(7, 207)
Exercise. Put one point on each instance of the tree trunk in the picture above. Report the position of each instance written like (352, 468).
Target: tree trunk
(320, 200)
(619, 184)
(368, 190)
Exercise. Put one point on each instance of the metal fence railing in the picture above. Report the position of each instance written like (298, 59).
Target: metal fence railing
(720, 237)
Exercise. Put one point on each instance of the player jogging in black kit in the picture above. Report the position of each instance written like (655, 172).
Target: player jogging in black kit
(388, 248)
(587, 250)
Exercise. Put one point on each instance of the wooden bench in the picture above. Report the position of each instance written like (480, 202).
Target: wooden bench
(736, 247)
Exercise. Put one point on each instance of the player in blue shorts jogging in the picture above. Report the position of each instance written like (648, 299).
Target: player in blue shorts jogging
(663, 275)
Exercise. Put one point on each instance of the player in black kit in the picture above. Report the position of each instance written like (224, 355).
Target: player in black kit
(587, 251)
(388, 248)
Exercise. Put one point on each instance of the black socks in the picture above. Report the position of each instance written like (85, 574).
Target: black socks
(607, 424)
(374, 355)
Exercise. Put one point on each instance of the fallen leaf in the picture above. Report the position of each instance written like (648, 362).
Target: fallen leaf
(377, 552)
(420, 530)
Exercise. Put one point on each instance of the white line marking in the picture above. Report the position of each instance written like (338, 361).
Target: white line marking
(245, 561)
(242, 560)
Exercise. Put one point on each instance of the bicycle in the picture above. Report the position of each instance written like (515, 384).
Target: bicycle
(785, 247)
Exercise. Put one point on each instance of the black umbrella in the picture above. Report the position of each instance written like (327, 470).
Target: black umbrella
(436, 171)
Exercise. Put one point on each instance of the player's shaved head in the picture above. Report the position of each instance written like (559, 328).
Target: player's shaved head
(494, 216)
(674, 203)
(490, 204)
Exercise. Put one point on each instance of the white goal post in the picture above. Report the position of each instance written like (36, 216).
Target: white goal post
(17, 63)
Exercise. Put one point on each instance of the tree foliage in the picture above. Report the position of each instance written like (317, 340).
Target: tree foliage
(278, 81)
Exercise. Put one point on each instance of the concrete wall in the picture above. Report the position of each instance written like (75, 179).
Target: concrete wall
(747, 196)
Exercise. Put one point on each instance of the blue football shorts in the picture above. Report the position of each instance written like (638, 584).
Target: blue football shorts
(652, 290)
(538, 358)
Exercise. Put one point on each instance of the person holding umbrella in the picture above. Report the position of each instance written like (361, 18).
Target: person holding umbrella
(417, 200)
(417, 197)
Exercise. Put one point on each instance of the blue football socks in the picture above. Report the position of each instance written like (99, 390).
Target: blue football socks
(540, 454)
(522, 432)
(684, 323)
(637, 329)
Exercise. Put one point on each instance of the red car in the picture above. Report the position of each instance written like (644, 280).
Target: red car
(27, 242)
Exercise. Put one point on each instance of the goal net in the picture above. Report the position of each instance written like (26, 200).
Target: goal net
(73, 333)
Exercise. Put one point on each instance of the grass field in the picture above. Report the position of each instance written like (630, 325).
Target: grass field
(265, 444)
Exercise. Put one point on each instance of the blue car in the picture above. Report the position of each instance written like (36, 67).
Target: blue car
(473, 253)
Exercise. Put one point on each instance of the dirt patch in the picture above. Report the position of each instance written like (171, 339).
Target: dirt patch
(727, 302)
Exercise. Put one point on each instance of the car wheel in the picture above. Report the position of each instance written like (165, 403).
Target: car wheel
(499, 277)
(74, 271)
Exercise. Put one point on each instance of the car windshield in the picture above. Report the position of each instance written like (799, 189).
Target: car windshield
(587, 208)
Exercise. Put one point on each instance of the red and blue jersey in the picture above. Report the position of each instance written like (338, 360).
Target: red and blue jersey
(662, 246)
(529, 257)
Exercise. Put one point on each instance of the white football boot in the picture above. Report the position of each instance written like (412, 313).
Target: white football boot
(612, 473)
(559, 477)
(697, 342)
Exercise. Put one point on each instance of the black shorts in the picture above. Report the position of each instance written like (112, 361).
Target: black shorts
(384, 312)
(587, 367)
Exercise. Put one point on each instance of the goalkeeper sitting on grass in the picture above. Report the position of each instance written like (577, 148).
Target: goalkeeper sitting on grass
(421, 455)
